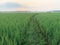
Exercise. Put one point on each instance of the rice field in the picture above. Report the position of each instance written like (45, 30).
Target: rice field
(29, 28)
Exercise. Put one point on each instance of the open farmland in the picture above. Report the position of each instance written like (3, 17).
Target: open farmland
(29, 28)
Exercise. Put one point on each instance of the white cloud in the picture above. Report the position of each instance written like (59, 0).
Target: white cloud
(38, 4)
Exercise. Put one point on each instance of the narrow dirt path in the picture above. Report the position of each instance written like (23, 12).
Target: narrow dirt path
(41, 31)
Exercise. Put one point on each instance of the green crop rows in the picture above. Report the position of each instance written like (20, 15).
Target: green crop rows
(29, 28)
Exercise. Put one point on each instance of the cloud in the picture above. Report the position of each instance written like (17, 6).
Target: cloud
(10, 5)
(35, 5)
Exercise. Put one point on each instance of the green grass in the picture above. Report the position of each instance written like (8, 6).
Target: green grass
(25, 28)
(12, 27)
(50, 22)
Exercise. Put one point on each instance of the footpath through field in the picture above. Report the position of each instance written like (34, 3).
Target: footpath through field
(38, 28)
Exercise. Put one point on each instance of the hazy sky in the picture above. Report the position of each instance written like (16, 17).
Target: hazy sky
(35, 5)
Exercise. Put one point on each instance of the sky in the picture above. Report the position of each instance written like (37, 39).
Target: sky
(29, 5)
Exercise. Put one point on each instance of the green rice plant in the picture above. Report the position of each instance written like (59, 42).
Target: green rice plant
(50, 22)
(29, 28)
